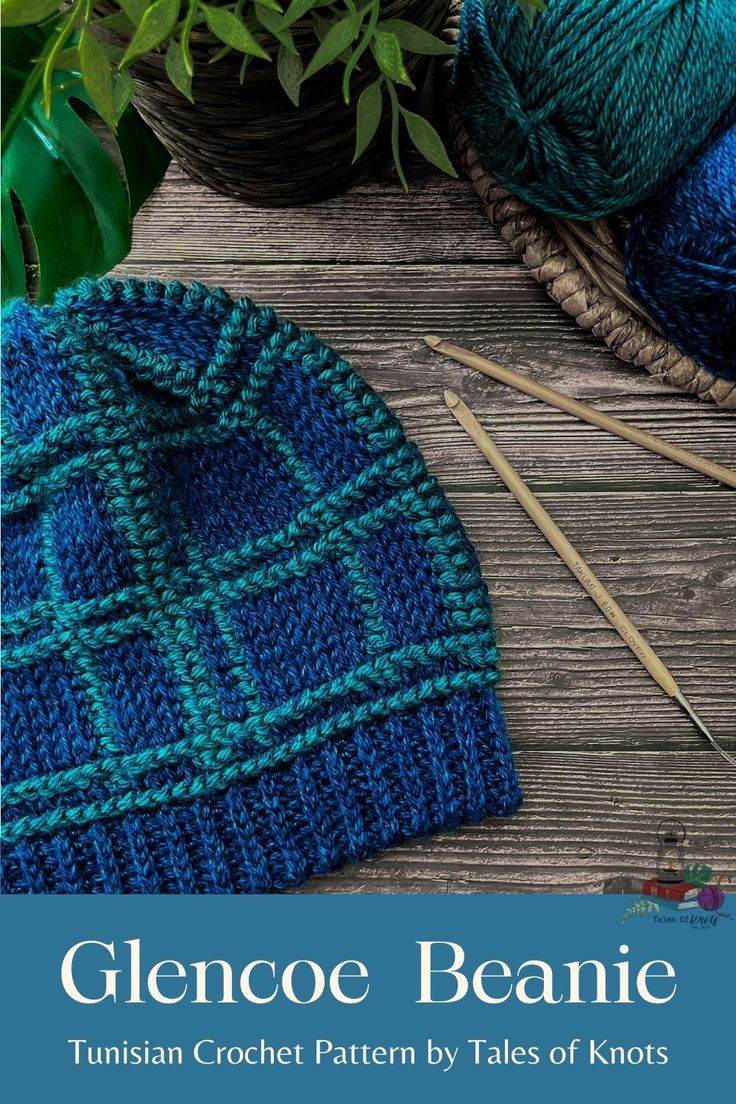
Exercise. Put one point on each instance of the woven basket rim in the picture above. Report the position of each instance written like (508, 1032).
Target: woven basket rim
(581, 266)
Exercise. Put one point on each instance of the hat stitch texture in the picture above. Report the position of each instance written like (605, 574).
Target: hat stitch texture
(245, 636)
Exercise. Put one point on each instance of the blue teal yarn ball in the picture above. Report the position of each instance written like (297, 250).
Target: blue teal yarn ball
(681, 256)
(594, 107)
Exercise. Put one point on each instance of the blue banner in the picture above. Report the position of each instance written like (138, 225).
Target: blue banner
(132, 998)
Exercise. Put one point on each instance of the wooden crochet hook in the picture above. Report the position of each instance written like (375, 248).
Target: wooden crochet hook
(581, 410)
(580, 569)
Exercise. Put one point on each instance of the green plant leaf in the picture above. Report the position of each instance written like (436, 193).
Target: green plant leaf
(59, 179)
(297, 9)
(155, 26)
(290, 70)
(368, 116)
(135, 9)
(697, 873)
(390, 60)
(337, 39)
(13, 261)
(176, 70)
(20, 13)
(271, 5)
(320, 25)
(286, 39)
(118, 21)
(68, 59)
(427, 141)
(415, 39)
(123, 90)
(232, 31)
(97, 76)
(272, 23)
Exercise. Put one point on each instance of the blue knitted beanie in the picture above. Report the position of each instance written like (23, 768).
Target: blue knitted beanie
(246, 638)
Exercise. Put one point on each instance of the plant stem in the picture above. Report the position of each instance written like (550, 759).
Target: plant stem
(34, 78)
(395, 116)
(361, 48)
(29, 90)
(186, 52)
(63, 33)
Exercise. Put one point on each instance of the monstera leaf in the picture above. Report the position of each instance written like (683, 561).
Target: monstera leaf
(70, 188)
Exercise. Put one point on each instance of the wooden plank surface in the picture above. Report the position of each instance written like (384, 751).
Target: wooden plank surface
(373, 223)
(603, 754)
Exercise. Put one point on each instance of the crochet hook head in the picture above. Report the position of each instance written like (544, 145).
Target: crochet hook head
(577, 565)
(685, 705)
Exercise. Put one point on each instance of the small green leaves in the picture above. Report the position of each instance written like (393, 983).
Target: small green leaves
(232, 31)
(337, 39)
(21, 13)
(97, 76)
(290, 70)
(363, 50)
(368, 116)
(415, 39)
(427, 141)
(156, 24)
(390, 60)
(640, 906)
(176, 70)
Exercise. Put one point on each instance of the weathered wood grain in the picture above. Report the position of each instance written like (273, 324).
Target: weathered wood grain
(669, 559)
(603, 754)
(585, 818)
(440, 220)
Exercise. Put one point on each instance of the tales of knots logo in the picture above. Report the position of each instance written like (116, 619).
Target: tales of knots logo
(678, 891)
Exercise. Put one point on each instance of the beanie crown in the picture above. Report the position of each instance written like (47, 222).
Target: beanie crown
(246, 636)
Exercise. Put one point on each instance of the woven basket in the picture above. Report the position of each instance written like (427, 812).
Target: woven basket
(248, 140)
(581, 265)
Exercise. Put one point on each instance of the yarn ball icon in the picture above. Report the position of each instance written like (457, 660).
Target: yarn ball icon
(711, 898)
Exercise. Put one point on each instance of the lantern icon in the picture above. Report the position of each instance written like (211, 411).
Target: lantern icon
(670, 852)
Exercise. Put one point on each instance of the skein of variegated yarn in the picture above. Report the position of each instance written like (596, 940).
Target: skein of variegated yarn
(681, 256)
(595, 106)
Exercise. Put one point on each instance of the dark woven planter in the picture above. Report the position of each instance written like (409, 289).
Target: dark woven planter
(248, 140)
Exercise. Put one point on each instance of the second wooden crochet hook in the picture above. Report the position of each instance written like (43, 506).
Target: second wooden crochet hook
(581, 410)
(580, 569)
